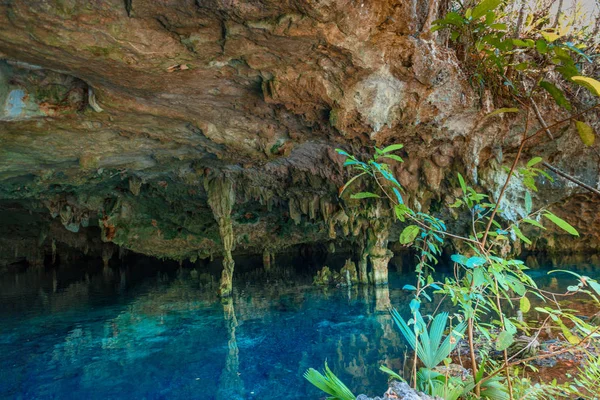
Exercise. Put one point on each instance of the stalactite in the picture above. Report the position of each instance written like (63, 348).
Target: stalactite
(348, 273)
(135, 185)
(268, 259)
(363, 277)
(295, 211)
(221, 198)
(53, 251)
(378, 251)
(107, 253)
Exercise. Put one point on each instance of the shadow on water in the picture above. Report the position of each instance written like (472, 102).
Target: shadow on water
(144, 329)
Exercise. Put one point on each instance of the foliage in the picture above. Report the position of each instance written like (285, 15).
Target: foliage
(329, 383)
(486, 281)
(520, 62)
(588, 379)
(428, 345)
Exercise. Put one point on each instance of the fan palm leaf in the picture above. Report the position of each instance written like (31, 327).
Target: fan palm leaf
(329, 383)
(430, 348)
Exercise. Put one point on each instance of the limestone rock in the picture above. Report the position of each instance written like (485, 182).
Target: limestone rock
(120, 110)
(399, 390)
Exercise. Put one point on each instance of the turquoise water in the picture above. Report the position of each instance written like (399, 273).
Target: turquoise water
(151, 331)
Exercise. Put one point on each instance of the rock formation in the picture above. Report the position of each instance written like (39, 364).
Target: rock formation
(114, 114)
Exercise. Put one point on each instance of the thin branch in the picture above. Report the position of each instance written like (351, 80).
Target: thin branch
(554, 125)
(541, 119)
(416, 220)
(570, 178)
(510, 173)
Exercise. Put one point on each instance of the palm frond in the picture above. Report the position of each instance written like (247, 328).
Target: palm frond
(391, 373)
(428, 347)
(494, 389)
(329, 383)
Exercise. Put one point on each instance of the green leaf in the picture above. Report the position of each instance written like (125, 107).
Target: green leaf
(541, 46)
(502, 111)
(589, 83)
(364, 195)
(586, 133)
(392, 147)
(459, 258)
(504, 340)
(456, 204)
(557, 94)
(401, 211)
(453, 18)
(516, 285)
(350, 182)
(414, 306)
(520, 235)
(461, 181)
(329, 383)
(524, 304)
(528, 202)
(391, 373)
(482, 8)
(475, 262)
(529, 183)
(393, 157)
(595, 285)
(550, 36)
(523, 43)
(534, 161)
(561, 223)
(409, 234)
(568, 71)
(499, 27)
(533, 222)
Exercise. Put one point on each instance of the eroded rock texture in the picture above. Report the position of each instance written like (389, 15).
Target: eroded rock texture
(115, 113)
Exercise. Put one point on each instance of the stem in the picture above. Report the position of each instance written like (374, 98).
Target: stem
(545, 164)
(541, 119)
(417, 221)
(506, 182)
(543, 356)
(417, 293)
(472, 354)
(505, 353)
(570, 178)
(554, 125)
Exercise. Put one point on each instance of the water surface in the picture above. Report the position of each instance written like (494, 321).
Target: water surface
(147, 330)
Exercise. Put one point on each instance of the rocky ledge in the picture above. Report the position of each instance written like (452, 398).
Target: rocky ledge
(189, 129)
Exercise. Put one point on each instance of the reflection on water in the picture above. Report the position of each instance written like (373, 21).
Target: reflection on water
(158, 331)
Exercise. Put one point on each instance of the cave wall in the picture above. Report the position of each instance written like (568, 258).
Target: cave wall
(114, 114)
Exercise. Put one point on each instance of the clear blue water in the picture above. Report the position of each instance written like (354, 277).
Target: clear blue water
(147, 331)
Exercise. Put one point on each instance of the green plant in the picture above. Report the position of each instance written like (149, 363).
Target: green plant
(588, 379)
(329, 383)
(486, 280)
(428, 344)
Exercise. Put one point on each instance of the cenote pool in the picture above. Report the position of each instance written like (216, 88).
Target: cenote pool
(149, 330)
